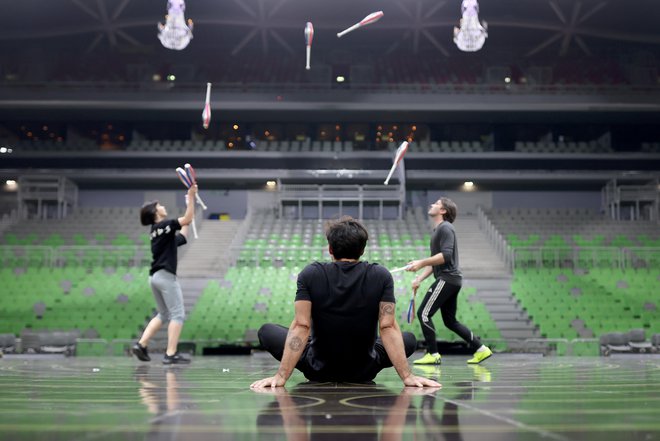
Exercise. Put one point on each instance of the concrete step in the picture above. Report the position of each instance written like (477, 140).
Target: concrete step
(208, 256)
(500, 308)
(494, 294)
(514, 324)
(490, 292)
(501, 304)
(478, 260)
(509, 316)
(192, 288)
(502, 283)
(477, 273)
(527, 347)
(511, 320)
(519, 333)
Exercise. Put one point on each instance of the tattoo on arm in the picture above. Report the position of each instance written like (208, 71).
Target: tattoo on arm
(386, 309)
(295, 344)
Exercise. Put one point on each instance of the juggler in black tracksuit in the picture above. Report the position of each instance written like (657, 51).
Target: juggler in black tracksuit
(443, 293)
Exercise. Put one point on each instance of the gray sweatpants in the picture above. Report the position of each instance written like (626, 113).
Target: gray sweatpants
(168, 295)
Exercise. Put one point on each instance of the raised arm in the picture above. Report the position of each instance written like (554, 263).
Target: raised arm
(296, 340)
(390, 333)
(185, 228)
(187, 218)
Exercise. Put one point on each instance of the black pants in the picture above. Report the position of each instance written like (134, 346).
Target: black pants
(442, 295)
(273, 338)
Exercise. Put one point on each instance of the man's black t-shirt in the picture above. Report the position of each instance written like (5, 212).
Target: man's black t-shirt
(164, 242)
(345, 300)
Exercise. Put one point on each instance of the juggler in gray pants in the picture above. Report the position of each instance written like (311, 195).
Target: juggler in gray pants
(168, 295)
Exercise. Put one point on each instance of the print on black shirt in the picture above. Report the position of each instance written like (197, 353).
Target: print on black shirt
(164, 243)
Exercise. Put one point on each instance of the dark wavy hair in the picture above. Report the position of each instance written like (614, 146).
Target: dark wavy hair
(148, 213)
(347, 237)
(450, 209)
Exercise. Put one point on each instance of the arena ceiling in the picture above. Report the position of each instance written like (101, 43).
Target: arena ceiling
(38, 30)
(232, 27)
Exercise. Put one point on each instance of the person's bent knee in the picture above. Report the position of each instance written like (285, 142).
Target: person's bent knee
(260, 334)
(409, 343)
(164, 318)
(177, 316)
(263, 331)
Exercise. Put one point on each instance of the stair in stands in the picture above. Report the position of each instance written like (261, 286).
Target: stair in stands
(477, 258)
(511, 320)
(208, 256)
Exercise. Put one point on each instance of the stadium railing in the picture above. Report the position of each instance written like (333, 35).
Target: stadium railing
(90, 255)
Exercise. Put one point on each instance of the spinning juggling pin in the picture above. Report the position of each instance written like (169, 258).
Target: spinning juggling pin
(396, 270)
(371, 18)
(411, 308)
(403, 148)
(185, 179)
(192, 178)
(206, 114)
(309, 36)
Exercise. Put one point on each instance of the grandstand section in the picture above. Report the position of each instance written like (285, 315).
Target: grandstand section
(571, 237)
(423, 138)
(226, 304)
(578, 274)
(588, 303)
(562, 260)
(97, 302)
(117, 226)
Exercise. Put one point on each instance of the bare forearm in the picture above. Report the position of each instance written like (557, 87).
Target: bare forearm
(427, 271)
(393, 342)
(189, 214)
(296, 340)
(436, 259)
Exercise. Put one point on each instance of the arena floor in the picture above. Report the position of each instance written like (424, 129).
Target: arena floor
(509, 397)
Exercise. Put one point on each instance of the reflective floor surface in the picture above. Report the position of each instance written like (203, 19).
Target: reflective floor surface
(509, 397)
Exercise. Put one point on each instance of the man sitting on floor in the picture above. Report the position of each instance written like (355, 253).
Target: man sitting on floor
(342, 304)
